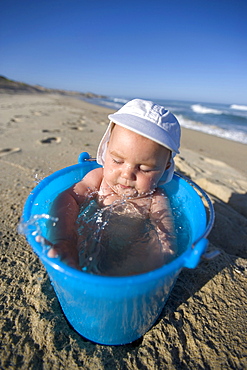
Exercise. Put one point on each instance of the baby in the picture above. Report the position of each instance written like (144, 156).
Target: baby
(136, 153)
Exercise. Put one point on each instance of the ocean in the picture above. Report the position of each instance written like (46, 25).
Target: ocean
(228, 121)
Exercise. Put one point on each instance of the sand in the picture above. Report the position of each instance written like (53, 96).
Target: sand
(203, 325)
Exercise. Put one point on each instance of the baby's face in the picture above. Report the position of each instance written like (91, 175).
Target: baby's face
(133, 163)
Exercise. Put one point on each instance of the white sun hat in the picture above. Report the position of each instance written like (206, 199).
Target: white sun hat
(149, 120)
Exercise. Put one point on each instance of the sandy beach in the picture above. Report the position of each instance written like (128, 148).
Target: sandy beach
(203, 325)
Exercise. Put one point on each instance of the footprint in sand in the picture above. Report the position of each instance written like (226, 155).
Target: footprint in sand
(50, 140)
(7, 151)
(79, 128)
(16, 119)
(75, 124)
(81, 120)
(52, 131)
(39, 113)
(36, 113)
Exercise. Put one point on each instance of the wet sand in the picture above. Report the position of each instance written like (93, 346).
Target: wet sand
(203, 325)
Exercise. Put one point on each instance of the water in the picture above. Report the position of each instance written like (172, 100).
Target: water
(115, 241)
(35, 225)
(228, 121)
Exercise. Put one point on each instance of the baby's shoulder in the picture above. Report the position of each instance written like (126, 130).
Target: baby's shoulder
(89, 183)
(159, 199)
(159, 192)
(93, 178)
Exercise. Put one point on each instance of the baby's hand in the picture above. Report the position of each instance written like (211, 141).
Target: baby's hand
(168, 245)
(65, 249)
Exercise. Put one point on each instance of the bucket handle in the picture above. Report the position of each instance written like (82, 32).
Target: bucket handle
(199, 246)
(209, 203)
(85, 157)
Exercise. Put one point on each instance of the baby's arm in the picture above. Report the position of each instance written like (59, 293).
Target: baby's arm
(63, 236)
(161, 215)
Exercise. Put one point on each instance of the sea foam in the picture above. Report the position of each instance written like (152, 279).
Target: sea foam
(197, 108)
(229, 134)
(120, 100)
(238, 107)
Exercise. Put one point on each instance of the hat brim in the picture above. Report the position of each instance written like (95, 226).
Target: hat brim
(101, 152)
(145, 128)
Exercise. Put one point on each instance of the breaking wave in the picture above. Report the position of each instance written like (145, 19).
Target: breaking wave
(197, 108)
(229, 134)
(238, 107)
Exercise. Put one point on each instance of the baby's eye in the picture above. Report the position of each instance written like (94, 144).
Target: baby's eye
(117, 161)
(146, 170)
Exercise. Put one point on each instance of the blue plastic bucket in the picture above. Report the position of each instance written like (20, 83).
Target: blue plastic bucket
(116, 310)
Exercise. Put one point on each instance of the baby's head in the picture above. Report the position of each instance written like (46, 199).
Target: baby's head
(141, 139)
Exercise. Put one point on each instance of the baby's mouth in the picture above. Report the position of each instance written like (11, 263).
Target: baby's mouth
(125, 186)
(127, 190)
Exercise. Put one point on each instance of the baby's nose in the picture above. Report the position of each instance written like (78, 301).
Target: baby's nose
(128, 173)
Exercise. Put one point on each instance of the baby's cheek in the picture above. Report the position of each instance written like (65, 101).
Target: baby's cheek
(153, 183)
(113, 170)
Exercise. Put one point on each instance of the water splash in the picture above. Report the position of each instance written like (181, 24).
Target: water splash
(40, 174)
(37, 178)
(117, 240)
(35, 225)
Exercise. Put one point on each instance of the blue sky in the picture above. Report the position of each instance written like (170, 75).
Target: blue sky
(179, 49)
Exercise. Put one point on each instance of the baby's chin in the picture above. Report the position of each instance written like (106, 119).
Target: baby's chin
(126, 191)
(131, 192)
